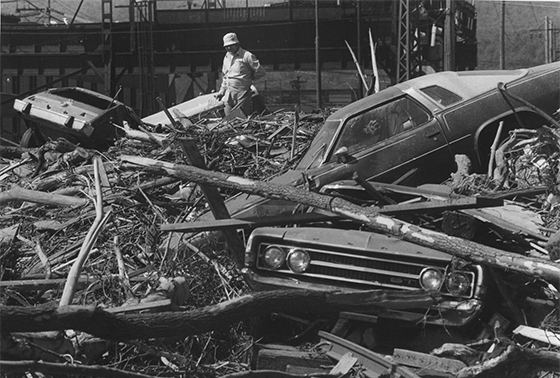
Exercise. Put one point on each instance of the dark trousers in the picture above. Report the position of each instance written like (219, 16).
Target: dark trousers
(239, 99)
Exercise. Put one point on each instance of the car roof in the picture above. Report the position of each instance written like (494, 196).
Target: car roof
(466, 84)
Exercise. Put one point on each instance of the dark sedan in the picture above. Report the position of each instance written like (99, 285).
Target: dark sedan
(408, 134)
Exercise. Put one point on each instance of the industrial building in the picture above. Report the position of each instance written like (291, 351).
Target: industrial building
(175, 53)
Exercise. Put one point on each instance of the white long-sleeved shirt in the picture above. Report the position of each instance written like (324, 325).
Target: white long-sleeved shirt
(240, 70)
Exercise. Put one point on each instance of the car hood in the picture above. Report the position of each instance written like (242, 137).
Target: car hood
(356, 240)
(249, 206)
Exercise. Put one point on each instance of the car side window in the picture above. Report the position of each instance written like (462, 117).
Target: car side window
(377, 124)
(441, 95)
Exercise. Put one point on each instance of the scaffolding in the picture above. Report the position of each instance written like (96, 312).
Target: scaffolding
(409, 56)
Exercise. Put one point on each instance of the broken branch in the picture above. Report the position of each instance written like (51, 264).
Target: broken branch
(366, 86)
(374, 64)
(20, 194)
(89, 241)
(493, 150)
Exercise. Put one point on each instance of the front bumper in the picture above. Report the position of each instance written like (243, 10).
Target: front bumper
(452, 313)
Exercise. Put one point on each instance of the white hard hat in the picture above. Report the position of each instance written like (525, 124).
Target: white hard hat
(230, 39)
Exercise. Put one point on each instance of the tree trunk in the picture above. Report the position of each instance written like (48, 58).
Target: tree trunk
(108, 326)
(369, 216)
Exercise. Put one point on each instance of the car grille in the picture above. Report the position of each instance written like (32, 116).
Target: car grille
(358, 269)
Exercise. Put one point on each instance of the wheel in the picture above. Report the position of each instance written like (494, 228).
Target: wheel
(31, 139)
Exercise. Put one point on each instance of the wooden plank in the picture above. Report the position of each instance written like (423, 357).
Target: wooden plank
(374, 363)
(444, 205)
(344, 365)
(161, 304)
(8, 234)
(516, 228)
(215, 200)
(304, 370)
(372, 190)
(538, 334)
(359, 317)
(426, 191)
(275, 359)
(280, 130)
(427, 361)
(247, 223)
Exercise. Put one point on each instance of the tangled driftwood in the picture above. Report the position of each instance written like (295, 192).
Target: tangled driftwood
(127, 266)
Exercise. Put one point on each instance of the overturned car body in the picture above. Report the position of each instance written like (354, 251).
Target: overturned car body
(198, 106)
(79, 115)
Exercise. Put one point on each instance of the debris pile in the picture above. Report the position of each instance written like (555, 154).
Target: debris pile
(48, 198)
(82, 227)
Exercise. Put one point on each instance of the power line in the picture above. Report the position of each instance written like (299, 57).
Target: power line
(538, 4)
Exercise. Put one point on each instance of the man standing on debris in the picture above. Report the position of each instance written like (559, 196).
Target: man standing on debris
(240, 68)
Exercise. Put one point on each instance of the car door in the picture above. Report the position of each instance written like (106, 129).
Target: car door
(395, 142)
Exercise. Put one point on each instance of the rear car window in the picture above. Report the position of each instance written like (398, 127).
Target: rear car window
(441, 95)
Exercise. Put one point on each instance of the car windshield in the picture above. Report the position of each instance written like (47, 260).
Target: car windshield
(380, 123)
(318, 149)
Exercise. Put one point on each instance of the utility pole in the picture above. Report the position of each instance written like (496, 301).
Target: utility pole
(503, 37)
(547, 34)
(449, 37)
(359, 38)
(552, 32)
(108, 53)
(317, 58)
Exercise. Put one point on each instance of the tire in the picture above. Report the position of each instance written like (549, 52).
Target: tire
(31, 139)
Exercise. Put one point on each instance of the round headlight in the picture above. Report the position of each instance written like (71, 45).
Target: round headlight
(274, 257)
(457, 283)
(298, 260)
(431, 279)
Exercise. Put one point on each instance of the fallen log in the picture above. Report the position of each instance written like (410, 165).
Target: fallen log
(103, 324)
(369, 216)
(67, 369)
(514, 361)
(508, 360)
(20, 194)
